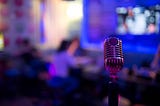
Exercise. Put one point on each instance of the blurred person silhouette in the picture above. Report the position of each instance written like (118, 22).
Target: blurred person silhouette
(24, 50)
(130, 20)
(33, 68)
(61, 81)
(11, 77)
(155, 64)
(28, 56)
(74, 48)
(23, 53)
(31, 57)
(63, 60)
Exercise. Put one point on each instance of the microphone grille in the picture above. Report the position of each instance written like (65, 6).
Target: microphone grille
(113, 48)
(113, 55)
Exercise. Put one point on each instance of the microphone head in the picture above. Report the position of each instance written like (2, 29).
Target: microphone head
(113, 55)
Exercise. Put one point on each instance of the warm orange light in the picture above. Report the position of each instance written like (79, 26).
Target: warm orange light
(1, 41)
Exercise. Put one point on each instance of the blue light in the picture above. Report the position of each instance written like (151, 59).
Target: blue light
(131, 43)
(42, 29)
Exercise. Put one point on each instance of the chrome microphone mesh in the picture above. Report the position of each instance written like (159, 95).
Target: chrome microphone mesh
(113, 55)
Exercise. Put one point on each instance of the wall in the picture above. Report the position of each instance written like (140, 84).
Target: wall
(61, 21)
(15, 21)
(45, 22)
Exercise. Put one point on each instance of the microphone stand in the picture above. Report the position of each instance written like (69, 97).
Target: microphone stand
(113, 91)
(113, 59)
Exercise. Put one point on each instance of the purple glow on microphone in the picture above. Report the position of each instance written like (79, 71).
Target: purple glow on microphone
(113, 56)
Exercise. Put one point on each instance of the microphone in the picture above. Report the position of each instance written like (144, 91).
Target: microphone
(113, 61)
(113, 55)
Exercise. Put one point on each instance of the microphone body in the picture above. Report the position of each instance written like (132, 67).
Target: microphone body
(113, 56)
(113, 61)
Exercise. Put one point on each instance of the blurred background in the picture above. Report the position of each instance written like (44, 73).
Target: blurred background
(51, 52)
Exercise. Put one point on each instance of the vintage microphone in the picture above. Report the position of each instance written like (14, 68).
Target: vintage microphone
(113, 61)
